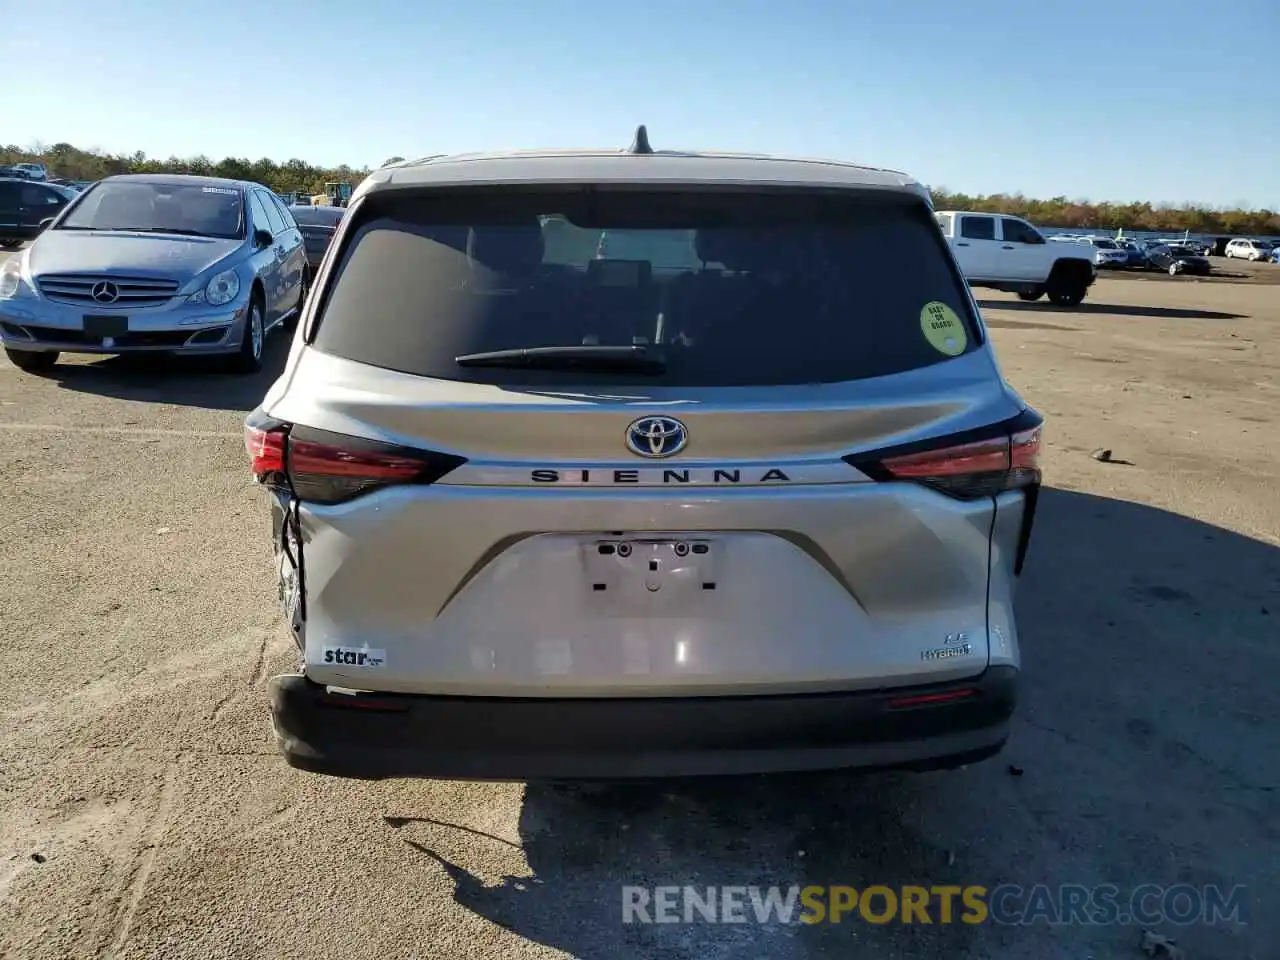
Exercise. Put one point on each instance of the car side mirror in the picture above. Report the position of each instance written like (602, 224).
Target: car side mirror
(47, 222)
(262, 239)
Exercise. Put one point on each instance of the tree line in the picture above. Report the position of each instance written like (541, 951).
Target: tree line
(65, 160)
(292, 176)
(1079, 215)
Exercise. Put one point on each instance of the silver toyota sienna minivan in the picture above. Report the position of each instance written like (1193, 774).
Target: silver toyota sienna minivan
(642, 463)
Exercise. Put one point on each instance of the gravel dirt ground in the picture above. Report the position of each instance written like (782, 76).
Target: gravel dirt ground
(144, 812)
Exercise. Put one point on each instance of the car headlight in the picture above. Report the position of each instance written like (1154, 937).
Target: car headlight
(10, 278)
(221, 288)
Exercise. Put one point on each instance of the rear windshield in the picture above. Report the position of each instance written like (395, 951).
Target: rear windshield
(730, 288)
(317, 216)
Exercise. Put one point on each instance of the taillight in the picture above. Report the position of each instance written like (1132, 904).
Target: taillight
(323, 467)
(967, 471)
(1024, 458)
(331, 472)
(265, 443)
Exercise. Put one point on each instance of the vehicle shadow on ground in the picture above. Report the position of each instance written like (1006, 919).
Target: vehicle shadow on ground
(184, 381)
(1115, 309)
(1215, 273)
(1145, 752)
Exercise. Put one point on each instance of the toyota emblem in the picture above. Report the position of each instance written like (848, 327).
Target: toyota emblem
(657, 437)
(104, 291)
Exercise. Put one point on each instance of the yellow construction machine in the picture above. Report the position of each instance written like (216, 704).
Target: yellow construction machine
(335, 195)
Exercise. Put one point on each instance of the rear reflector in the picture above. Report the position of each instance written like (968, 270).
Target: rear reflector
(368, 702)
(322, 467)
(932, 699)
(967, 470)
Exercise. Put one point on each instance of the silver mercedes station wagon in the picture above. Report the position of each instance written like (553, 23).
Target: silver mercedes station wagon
(156, 263)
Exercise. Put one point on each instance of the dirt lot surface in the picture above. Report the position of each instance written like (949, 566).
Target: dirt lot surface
(145, 814)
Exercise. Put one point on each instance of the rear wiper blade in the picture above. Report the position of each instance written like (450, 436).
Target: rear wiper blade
(637, 359)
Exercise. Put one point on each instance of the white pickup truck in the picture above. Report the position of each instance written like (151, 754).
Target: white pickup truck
(1007, 253)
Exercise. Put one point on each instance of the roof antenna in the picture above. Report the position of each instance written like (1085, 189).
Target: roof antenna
(641, 143)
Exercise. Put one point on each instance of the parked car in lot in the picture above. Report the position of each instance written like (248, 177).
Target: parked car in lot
(318, 225)
(1007, 253)
(1108, 255)
(190, 265)
(1217, 246)
(1242, 248)
(543, 513)
(28, 171)
(26, 206)
(1185, 243)
(1178, 259)
(1135, 254)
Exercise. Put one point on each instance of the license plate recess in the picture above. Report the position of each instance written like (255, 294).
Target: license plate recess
(663, 567)
(102, 326)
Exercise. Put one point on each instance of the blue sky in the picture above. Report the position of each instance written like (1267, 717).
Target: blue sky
(1176, 101)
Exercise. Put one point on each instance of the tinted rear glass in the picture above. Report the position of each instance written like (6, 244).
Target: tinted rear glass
(734, 288)
(317, 216)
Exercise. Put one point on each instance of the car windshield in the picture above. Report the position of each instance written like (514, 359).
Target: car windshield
(180, 208)
(710, 288)
(1104, 244)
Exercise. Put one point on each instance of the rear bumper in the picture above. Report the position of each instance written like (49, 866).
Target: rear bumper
(378, 736)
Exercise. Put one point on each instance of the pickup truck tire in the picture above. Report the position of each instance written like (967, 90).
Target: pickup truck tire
(1035, 293)
(1067, 295)
(1068, 282)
